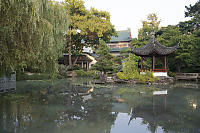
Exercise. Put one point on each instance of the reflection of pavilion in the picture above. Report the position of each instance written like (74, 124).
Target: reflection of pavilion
(160, 93)
(177, 116)
(152, 114)
(152, 110)
(154, 49)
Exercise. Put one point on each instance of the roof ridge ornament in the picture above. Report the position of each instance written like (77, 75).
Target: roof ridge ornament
(153, 37)
(153, 47)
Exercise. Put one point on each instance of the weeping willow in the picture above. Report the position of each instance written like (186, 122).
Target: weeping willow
(31, 34)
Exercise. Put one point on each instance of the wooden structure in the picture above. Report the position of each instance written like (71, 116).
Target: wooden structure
(154, 49)
(187, 76)
(83, 61)
(7, 83)
(121, 42)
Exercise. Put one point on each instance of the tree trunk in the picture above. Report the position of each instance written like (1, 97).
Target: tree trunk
(75, 60)
(70, 53)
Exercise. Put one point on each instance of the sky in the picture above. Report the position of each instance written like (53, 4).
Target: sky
(130, 13)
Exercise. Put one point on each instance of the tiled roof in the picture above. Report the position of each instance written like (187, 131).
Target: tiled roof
(153, 47)
(123, 36)
(117, 49)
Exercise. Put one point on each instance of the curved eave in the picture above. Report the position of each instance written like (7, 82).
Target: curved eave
(151, 49)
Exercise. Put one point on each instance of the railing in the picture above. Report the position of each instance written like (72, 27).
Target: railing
(154, 70)
(186, 76)
(7, 83)
(160, 70)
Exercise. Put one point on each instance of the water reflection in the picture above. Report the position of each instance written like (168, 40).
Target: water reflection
(62, 106)
(52, 111)
(170, 113)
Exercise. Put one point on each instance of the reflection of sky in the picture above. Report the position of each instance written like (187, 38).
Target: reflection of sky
(135, 126)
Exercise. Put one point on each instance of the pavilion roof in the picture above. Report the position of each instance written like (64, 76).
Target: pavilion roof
(153, 47)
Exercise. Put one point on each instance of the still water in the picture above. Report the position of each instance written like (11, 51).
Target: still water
(78, 106)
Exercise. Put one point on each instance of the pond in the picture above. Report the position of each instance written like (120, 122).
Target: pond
(78, 106)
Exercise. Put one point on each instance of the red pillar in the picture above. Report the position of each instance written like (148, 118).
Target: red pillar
(153, 62)
(141, 63)
(165, 63)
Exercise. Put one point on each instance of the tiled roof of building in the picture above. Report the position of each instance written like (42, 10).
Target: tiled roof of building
(123, 36)
(118, 49)
(153, 47)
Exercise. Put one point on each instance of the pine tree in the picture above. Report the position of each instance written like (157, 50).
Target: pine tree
(105, 59)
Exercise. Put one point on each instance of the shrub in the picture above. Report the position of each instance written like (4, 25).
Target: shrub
(121, 75)
(80, 73)
(91, 73)
(130, 71)
(141, 78)
(171, 74)
(116, 68)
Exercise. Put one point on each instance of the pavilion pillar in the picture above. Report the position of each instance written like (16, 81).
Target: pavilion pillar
(141, 63)
(165, 63)
(153, 67)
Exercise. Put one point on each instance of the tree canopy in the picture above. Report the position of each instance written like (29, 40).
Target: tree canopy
(105, 59)
(193, 11)
(148, 26)
(31, 34)
(183, 58)
(86, 27)
(185, 34)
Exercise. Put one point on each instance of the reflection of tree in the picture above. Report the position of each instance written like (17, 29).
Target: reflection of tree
(96, 111)
(14, 117)
(52, 112)
(152, 127)
(37, 110)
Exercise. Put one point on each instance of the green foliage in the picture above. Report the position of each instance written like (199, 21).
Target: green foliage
(116, 68)
(147, 77)
(62, 69)
(92, 25)
(82, 73)
(141, 78)
(31, 35)
(171, 74)
(121, 75)
(185, 34)
(34, 76)
(130, 71)
(105, 59)
(193, 11)
(186, 56)
(129, 66)
(148, 26)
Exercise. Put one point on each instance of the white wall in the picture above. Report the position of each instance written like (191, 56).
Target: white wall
(156, 74)
(87, 49)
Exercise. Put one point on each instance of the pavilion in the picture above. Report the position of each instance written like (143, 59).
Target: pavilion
(154, 49)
